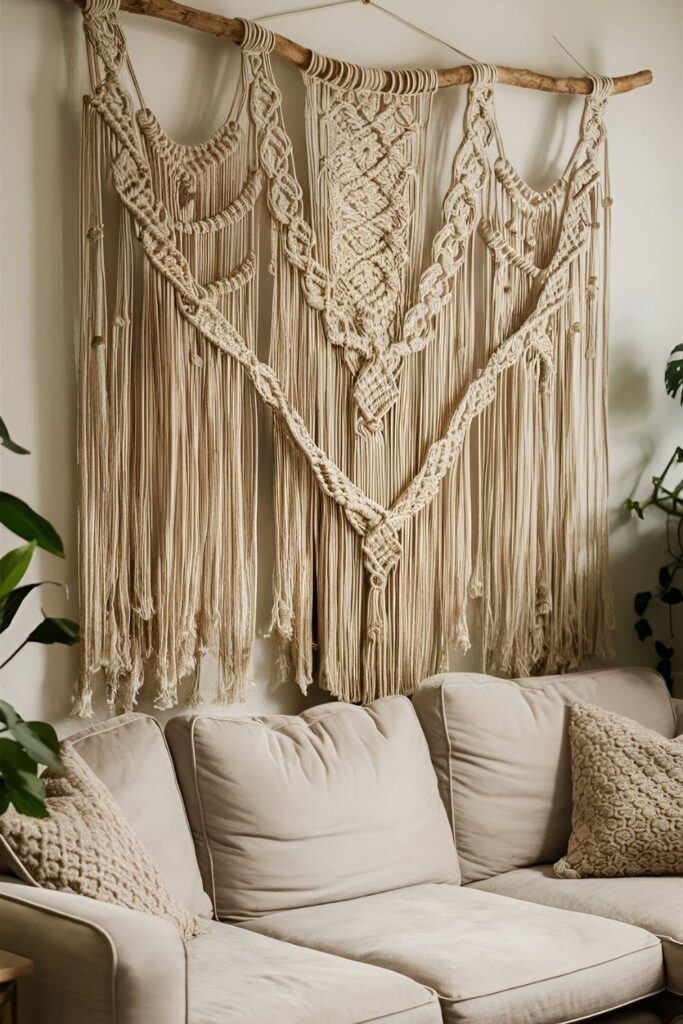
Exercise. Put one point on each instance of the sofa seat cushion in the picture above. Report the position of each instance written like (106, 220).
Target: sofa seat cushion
(130, 756)
(491, 960)
(501, 752)
(655, 904)
(238, 978)
(290, 811)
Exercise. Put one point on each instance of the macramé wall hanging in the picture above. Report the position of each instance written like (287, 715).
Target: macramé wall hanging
(439, 430)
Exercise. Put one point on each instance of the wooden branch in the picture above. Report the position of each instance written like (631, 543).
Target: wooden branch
(231, 28)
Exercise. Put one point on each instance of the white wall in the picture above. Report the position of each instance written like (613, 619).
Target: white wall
(187, 79)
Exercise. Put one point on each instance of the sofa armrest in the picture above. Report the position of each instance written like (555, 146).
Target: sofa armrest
(94, 962)
(678, 711)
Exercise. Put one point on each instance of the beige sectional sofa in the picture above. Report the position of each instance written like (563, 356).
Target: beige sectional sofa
(320, 850)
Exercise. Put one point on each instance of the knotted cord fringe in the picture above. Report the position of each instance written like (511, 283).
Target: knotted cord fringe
(167, 446)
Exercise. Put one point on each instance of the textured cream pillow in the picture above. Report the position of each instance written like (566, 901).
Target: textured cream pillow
(86, 847)
(628, 798)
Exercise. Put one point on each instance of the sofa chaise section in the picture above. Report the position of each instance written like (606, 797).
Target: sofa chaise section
(491, 960)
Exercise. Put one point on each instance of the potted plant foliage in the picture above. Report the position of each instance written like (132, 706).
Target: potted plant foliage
(26, 746)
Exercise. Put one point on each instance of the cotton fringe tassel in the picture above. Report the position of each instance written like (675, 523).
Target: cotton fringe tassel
(167, 440)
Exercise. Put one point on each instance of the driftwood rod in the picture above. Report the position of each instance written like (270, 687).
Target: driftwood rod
(231, 28)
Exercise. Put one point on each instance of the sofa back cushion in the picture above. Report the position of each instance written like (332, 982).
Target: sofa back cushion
(294, 811)
(130, 756)
(501, 753)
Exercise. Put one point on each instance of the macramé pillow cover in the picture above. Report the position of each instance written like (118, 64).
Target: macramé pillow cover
(87, 847)
(627, 784)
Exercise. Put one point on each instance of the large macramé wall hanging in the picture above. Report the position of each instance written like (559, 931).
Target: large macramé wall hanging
(439, 430)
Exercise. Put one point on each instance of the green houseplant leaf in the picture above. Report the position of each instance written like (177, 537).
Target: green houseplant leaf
(665, 576)
(643, 629)
(49, 631)
(673, 375)
(21, 519)
(26, 745)
(38, 739)
(20, 775)
(13, 565)
(12, 602)
(7, 442)
(55, 631)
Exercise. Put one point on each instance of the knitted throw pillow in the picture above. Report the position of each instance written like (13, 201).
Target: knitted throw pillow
(87, 847)
(627, 786)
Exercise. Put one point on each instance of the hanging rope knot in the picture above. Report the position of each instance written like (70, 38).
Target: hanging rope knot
(103, 32)
(483, 76)
(187, 189)
(592, 127)
(95, 233)
(381, 552)
(349, 77)
(543, 348)
(257, 38)
(375, 391)
(100, 8)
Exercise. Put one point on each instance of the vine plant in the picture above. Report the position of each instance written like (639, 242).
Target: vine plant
(667, 496)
